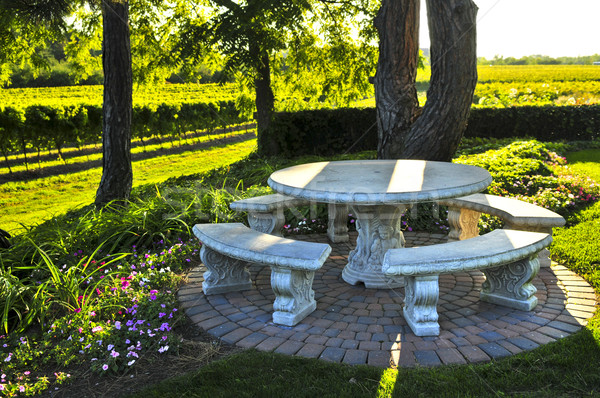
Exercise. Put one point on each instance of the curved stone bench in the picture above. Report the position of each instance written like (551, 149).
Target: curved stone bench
(228, 248)
(464, 212)
(265, 214)
(508, 258)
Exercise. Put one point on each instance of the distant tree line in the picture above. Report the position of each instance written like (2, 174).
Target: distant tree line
(539, 60)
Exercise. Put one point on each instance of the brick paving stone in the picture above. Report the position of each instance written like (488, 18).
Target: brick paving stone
(380, 359)
(252, 340)
(211, 322)
(463, 322)
(473, 354)
(311, 350)
(363, 336)
(494, 350)
(369, 345)
(563, 326)
(290, 347)
(552, 332)
(270, 343)
(300, 336)
(507, 332)
(223, 329)
(375, 329)
(333, 354)
(202, 316)
(510, 347)
(316, 330)
(473, 329)
(427, 358)
(523, 343)
(334, 342)
(347, 335)
(459, 332)
(491, 336)
(355, 357)
(236, 335)
(316, 339)
(357, 327)
(451, 356)
(323, 323)
(350, 344)
(381, 337)
(475, 339)
(539, 338)
(422, 345)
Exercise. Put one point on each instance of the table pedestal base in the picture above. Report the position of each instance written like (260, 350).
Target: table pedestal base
(378, 231)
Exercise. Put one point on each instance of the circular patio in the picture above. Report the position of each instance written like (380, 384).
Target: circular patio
(355, 325)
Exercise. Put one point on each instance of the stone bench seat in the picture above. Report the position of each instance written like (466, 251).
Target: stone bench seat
(228, 248)
(508, 258)
(464, 212)
(265, 214)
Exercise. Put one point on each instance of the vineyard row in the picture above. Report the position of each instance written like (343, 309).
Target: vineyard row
(54, 127)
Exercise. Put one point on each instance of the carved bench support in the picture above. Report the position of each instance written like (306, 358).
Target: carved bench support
(268, 223)
(462, 223)
(294, 297)
(225, 274)
(510, 285)
(420, 304)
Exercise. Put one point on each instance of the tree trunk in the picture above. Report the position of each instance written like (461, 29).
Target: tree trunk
(265, 103)
(397, 23)
(436, 133)
(117, 175)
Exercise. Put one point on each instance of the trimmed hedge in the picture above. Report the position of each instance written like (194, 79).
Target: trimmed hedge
(326, 132)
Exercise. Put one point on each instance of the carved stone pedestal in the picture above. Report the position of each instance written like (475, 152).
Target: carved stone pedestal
(225, 274)
(294, 296)
(378, 231)
(510, 285)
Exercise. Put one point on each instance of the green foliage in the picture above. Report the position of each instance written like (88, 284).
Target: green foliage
(321, 132)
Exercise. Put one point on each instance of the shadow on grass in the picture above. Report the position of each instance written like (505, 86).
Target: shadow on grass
(50, 171)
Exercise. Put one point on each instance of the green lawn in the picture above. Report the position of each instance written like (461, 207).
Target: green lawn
(586, 163)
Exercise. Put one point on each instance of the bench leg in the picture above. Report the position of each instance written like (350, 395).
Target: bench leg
(510, 285)
(268, 223)
(337, 226)
(225, 274)
(420, 304)
(294, 297)
(463, 223)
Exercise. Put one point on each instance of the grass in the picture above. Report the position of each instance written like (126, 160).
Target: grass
(586, 162)
(31, 202)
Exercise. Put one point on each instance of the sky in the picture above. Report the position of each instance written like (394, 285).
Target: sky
(515, 28)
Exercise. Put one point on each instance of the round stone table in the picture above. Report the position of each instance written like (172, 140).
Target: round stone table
(378, 192)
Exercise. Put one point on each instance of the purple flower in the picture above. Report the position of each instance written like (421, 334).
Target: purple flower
(105, 367)
(114, 354)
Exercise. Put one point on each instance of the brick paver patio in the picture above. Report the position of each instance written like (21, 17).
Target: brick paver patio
(354, 325)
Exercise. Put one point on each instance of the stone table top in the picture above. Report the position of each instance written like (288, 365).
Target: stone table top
(373, 182)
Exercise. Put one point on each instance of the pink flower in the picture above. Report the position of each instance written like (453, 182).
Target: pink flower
(96, 329)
